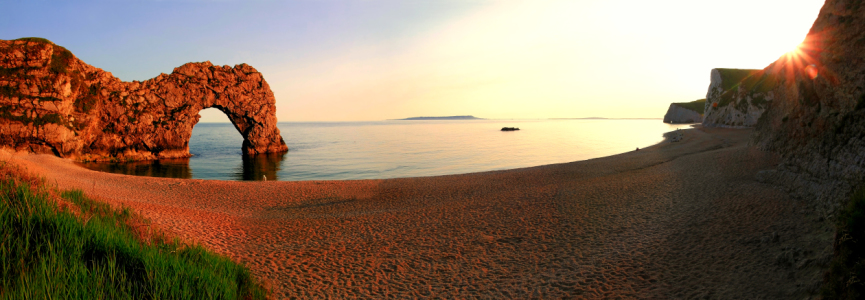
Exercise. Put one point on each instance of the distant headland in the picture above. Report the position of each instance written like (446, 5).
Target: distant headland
(441, 118)
(602, 118)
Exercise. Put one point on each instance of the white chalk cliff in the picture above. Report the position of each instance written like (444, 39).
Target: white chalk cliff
(679, 114)
(737, 98)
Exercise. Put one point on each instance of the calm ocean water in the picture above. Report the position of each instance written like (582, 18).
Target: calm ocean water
(391, 149)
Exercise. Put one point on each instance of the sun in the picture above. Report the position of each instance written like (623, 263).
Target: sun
(800, 60)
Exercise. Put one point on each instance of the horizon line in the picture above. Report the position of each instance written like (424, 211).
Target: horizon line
(479, 119)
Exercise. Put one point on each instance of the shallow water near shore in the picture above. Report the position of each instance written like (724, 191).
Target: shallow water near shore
(392, 149)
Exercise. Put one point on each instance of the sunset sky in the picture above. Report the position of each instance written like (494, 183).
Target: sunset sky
(376, 60)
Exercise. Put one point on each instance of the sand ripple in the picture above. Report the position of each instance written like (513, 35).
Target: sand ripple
(676, 220)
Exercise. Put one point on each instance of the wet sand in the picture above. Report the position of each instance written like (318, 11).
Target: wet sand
(677, 220)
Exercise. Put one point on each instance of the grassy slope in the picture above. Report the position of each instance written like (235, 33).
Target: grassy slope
(697, 105)
(731, 77)
(71, 247)
(754, 82)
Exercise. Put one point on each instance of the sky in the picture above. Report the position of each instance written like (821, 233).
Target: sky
(371, 60)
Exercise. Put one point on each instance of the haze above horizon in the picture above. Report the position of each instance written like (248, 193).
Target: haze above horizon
(378, 60)
(442, 118)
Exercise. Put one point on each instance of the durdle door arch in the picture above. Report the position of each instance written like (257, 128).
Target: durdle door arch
(55, 103)
(240, 93)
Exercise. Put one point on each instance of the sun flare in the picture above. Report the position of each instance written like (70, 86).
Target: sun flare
(800, 59)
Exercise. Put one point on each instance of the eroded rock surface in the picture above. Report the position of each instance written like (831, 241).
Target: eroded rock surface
(817, 119)
(50, 101)
(737, 97)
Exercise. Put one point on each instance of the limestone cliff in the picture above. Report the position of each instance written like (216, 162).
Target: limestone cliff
(50, 101)
(685, 112)
(737, 98)
(817, 119)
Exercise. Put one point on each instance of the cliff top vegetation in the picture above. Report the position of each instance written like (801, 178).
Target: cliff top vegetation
(697, 105)
(753, 82)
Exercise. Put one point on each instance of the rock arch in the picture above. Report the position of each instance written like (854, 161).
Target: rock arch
(239, 92)
(52, 102)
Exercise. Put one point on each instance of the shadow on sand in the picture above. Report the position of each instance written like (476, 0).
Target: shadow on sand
(172, 168)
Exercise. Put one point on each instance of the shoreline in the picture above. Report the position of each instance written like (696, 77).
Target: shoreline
(105, 166)
(680, 219)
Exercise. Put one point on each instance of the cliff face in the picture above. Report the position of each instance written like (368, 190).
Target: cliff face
(50, 101)
(817, 119)
(686, 112)
(737, 98)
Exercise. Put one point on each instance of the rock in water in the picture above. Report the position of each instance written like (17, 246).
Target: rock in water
(52, 102)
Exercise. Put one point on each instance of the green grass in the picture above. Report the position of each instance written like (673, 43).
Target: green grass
(697, 105)
(71, 247)
(844, 279)
(60, 57)
(35, 39)
(60, 60)
(755, 82)
(760, 82)
(732, 77)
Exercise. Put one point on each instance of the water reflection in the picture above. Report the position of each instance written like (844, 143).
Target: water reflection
(390, 149)
(256, 167)
(252, 167)
(172, 168)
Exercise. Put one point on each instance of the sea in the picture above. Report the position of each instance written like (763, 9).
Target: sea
(399, 148)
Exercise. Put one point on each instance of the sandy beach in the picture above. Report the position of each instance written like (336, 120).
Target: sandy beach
(688, 219)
